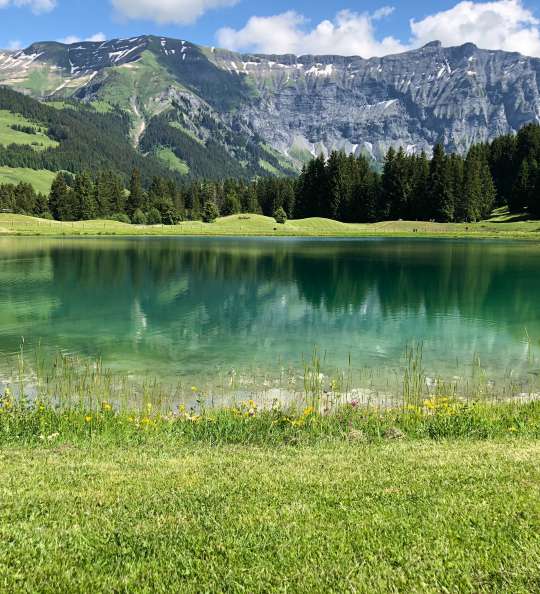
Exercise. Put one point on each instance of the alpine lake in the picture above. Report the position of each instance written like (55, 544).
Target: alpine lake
(256, 313)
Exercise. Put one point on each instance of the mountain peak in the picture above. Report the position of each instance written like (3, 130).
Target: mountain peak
(256, 106)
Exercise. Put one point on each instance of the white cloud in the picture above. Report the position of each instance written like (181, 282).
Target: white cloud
(97, 37)
(37, 6)
(179, 12)
(14, 45)
(505, 24)
(502, 24)
(75, 39)
(70, 39)
(348, 33)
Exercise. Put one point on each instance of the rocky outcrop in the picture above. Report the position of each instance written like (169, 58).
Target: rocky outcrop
(300, 106)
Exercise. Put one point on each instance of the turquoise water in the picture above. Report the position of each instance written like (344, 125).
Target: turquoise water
(188, 307)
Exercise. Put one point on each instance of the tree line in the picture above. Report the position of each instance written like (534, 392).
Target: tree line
(445, 188)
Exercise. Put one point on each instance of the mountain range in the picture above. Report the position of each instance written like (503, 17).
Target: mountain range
(211, 112)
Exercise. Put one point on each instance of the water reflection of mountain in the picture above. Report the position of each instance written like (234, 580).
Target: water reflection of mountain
(196, 300)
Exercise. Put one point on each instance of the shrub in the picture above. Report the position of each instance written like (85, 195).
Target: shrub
(211, 212)
(139, 218)
(154, 217)
(169, 214)
(121, 218)
(281, 216)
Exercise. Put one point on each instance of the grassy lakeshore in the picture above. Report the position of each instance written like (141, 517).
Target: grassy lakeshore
(500, 225)
(400, 516)
(438, 494)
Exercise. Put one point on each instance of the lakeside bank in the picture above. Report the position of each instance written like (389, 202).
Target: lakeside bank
(501, 225)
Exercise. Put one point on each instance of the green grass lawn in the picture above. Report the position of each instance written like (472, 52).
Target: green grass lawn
(399, 516)
(40, 179)
(500, 225)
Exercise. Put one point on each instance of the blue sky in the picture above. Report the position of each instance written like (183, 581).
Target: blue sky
(364, 27)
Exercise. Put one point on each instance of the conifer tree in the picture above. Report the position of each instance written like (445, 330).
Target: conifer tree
(211, 212)
(84, 197)
(420, 207)
(136, 195)
(440, 186)
(231, 204)
(523, 186)
(489, 192)
(468, 202)
(534, 201)
(389, 185)
(59, 198)
(336, 182)
(117, 194)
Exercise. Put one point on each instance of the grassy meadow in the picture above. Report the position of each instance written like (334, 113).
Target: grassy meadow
(500, 225)
(106, 490)
(8, 135)
(106, 502)
(41, 179)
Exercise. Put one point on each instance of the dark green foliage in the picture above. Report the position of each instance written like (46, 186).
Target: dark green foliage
(59, 198)
(449, 188)
(231, 204)
(502, 162)
(25, 129)
(121, 217)
(154, 217)
(139, 218)
(136, 195)
(281, 216)
(210, 212)
(22, 199)
(88, 140)
(442, 199)
(207, 161)
(85, 202)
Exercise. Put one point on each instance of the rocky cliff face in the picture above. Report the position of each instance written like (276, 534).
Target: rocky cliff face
(291, 106)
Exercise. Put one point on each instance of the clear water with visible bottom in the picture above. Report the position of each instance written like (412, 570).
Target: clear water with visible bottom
(190, 307)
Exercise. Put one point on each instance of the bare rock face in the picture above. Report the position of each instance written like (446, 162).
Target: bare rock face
(452, 95)
(295, 106)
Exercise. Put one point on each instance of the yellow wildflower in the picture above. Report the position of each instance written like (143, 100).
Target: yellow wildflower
(106, 406)
(88, 419)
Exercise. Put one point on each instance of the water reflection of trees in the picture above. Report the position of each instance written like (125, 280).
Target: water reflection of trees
(204, 289)
(475, 279)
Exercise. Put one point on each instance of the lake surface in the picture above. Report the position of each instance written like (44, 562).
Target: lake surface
(187, 307)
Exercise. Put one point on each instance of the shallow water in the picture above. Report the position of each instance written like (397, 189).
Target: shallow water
(190, 307)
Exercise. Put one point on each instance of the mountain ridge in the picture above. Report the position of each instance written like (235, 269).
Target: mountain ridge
(271, 113)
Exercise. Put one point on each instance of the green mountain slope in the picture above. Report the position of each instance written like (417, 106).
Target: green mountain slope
(227, 114)
(165, 105)
(72, 139)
